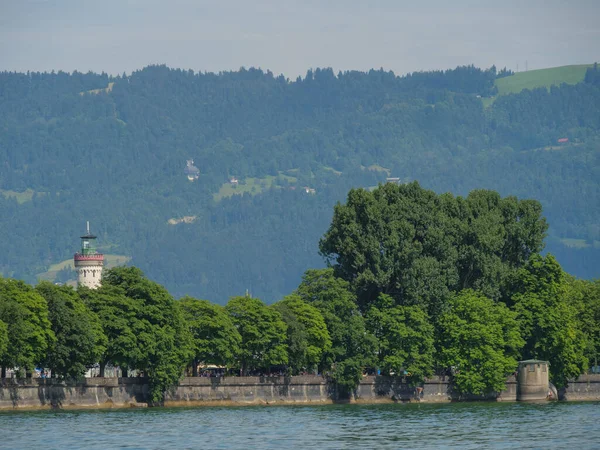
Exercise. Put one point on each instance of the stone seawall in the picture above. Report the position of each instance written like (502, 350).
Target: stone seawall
(585, 388)
(249, 390)
(88, 393)
(132, 392)
(434, 390)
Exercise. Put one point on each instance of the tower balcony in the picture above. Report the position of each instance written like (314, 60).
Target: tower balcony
(94, 257)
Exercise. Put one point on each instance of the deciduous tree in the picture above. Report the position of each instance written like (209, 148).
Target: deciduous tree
(263, 333)
(405, 339)
(547, 312)
(311, 329)
(353, 347)
(479, 342)
(162, 335)
(25, 313)
(215, 339)
(80, 340)
(118, 315)
(419, 247)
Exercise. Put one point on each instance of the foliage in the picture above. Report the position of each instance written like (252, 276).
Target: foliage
(162, 336)
(352, 347)
(3, 339)
(30, 334)
(215, 338)
(589, 315)
(297, 339)
(547, 312)
(478, 341)
(405, 339)
(119, 316)
(263, 334)
(592, 75)
(308, 337)
(79, 337)
(346, 375)
(417, 247)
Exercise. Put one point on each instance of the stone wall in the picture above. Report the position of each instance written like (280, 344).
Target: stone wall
(585, 388)
(132, 392)
(434, 390)
(249, 390)
(89, 393)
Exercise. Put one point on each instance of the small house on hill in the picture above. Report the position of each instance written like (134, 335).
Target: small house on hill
(191, 171)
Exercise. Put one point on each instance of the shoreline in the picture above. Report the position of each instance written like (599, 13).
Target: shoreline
(197, 392)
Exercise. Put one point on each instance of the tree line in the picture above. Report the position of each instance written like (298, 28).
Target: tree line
(417, 284)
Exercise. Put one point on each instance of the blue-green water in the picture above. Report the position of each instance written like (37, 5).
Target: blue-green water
(471, 425)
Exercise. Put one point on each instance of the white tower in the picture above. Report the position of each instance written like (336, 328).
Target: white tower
(88, 262)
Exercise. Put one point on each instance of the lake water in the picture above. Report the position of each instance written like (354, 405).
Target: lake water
(465, 425)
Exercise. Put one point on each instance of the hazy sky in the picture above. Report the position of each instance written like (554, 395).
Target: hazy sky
(289, 37)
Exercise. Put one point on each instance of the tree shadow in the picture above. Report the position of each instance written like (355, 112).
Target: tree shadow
(397, 389)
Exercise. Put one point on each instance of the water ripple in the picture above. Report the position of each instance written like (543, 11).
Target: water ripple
(415, 426)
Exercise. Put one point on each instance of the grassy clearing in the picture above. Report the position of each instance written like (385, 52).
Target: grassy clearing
(378, 168)
(98, 91)
(553, 76)
(251, 186)
(109, 261)
(21, 197)
(541, 78)
(331, 169)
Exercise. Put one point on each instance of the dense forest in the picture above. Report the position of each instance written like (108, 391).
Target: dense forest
(113, 149)
(418, 284)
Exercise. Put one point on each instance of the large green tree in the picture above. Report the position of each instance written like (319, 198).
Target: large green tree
(80, 340)
(263, 333)
(119, 316)
(162, 335)
(308, 337)
(215, 339)
(548, 315)
(405, 339)
(353, 348)
(478, 342)
(419, 247)
(25, 313)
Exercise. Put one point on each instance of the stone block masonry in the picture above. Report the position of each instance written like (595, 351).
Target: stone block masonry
(133, 392)
(89, 393)
(586, 388)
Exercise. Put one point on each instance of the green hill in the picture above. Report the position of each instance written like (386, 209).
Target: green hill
(117, 158)
(552, 76)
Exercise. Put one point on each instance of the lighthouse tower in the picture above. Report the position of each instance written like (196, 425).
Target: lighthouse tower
(88, 262)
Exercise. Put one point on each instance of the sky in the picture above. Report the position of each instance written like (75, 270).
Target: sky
(290, 37)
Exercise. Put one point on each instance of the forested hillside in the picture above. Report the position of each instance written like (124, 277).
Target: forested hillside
(112, 150)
